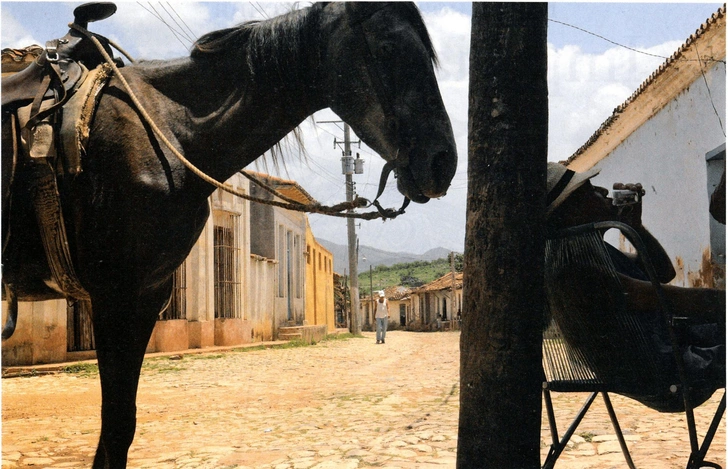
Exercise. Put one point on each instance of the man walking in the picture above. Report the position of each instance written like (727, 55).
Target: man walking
(382, 317)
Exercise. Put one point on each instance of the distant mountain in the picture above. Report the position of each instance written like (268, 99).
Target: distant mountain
(375, 257)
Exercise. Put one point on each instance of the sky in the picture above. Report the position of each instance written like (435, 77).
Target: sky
(588, 77)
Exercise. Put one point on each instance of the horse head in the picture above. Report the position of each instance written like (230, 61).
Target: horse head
(384, 87)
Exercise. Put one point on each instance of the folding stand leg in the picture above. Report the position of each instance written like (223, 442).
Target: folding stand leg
(618, 430)
(557, 447)
(696, 460)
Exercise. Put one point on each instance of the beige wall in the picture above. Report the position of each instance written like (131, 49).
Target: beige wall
(261, 298)
(40, 334)
(319, 283)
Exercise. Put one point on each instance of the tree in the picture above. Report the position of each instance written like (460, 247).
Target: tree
(500, 361)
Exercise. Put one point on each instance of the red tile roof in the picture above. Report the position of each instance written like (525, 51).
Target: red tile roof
(290, 189)
(442, 283)
(671, 62)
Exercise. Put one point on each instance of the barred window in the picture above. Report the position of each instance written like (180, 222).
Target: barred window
(177, 308)
(227, 275)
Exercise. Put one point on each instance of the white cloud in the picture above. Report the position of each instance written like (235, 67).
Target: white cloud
(13, 34)
(583, 91)
(140, 30)
(585, 88)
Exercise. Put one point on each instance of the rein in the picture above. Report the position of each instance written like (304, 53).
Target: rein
(289, 204)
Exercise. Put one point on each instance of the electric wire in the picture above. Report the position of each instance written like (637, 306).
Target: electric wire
(258, 9)
(174, 31)
(710, 94)
(181, 28)
(624, 46)
(192, 33)
(156, 15)
(265, 15)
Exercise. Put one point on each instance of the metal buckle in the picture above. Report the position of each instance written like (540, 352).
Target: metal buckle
(52, 49)
(52, 54)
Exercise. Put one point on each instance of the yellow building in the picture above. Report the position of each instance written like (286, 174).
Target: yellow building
(319, 283)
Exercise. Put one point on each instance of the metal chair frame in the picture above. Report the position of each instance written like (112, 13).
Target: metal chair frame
(567, 369)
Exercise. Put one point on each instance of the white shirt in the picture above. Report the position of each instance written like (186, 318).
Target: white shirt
(382, 309)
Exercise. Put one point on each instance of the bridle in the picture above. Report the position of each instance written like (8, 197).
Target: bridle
(384, 97)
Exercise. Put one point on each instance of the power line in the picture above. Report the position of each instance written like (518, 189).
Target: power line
(259, 9)
(182, 30)
(182, 20)
(622, 45)
(710, 94)
(154, 13)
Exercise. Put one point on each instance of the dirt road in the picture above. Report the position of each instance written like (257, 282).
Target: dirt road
(340, 404)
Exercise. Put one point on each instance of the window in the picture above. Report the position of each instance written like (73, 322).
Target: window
(226, 254)
(281, 261)
(298, 265)
(177, 308)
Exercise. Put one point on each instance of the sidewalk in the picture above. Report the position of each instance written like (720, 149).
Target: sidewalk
(52, 368)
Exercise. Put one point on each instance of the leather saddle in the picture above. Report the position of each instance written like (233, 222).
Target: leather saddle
(63, 59)
(48, 100)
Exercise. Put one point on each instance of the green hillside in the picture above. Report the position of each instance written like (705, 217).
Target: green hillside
(410, 274)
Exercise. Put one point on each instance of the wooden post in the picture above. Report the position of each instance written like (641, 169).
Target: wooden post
(500, 359)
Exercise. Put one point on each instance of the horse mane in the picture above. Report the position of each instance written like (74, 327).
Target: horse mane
(412, 14)
(271, 48)
(280, 39)
(268, 46)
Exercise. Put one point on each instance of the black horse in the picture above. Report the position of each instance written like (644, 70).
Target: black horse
(135, 211)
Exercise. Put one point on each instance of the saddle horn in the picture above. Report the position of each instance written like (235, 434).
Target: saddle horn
(93, 11)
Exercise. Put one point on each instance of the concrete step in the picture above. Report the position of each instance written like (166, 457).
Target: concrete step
(306, 333)
(292, 336)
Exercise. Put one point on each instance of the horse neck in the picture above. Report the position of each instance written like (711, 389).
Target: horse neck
(240, 111)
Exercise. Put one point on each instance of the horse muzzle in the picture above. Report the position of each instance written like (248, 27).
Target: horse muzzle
(428, 174)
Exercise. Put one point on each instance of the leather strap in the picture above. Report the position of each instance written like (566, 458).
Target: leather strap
(387, 212)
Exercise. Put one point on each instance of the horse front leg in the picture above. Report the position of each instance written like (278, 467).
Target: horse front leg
(122, 329)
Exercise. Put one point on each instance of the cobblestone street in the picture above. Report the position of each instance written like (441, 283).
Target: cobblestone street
(339, 404)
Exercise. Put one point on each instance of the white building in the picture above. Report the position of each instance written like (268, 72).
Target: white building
(670, 136)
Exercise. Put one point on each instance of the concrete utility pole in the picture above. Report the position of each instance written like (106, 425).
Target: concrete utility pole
(351, 235)
(453, 295)
(371, 293)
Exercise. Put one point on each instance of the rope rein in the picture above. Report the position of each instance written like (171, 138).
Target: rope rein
(289, 204)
